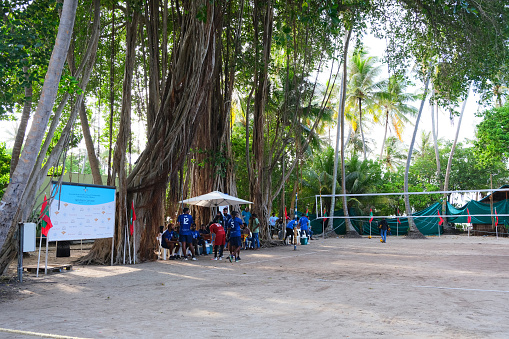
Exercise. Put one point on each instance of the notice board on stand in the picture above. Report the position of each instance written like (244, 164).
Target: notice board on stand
(81, 211)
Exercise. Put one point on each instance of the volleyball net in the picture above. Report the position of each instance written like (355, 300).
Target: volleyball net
(488, 216)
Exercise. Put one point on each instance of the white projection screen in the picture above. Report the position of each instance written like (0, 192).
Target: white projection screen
(81, 211)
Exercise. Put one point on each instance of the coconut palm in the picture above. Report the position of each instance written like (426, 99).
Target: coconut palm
(394, 154)
(362, 85)
(393, 100)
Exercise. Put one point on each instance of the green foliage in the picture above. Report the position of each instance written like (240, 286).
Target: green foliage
(27, 31)
(492, 143)
(464, 40)
(5, 166)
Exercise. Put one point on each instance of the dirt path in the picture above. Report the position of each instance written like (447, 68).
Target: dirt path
(446, 287)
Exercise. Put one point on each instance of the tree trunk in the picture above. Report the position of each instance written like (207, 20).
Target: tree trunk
(448, 228)
(97, 253)
(25, 116)
(263, 14)
(184, 101)
(89, 142)
(385, 134)
(362, 131)
(435, 143)
(340, 137)
(9, 206)
(413, 231)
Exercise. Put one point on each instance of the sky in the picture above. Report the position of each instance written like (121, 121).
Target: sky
(446, 126)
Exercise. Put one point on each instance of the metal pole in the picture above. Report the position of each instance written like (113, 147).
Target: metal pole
(46, 259)
(39, 256)
(283, 231)
(20, 252)
(496, 225)
(112, 245)
(370, 230)
(134, 242)
(296, 199)
(125, 241)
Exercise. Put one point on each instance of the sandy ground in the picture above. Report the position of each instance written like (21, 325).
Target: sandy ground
(447, 287)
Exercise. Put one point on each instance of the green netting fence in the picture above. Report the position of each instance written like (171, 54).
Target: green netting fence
(426, 220)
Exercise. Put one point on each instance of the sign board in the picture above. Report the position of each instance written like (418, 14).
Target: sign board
(29, 237)
(80, 211)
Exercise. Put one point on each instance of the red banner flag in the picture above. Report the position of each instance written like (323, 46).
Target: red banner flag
(325, 213)
(371, 215)
(399, 222)
(133, 218)
(286, 215)
(441, 220)
(469, 220)
(307, 212)
(496, 220)
(46, 221)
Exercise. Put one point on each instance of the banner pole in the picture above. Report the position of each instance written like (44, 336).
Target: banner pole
(112, 245)
(128, 244)
(134, 242)
(46, 260)
(39, 256)
(125, 237)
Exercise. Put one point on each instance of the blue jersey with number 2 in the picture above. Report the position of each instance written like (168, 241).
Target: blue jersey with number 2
(185, 221)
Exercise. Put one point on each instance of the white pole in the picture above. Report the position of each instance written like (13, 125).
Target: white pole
(39, 256)
(125, 237)
(496, 225)
(370, 229)
(46, 260)
(112, 245)
(128, 243)
(134, 242)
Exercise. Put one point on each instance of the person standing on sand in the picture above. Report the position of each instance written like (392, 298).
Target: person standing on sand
(304, 226)
(246, 215)
(235, 240)
(383, 229)
(185, 221)
(272, 223)
(220, 237)
(289, 230)
(255, 230)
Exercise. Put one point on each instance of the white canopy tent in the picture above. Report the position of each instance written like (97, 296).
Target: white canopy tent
(214, 199)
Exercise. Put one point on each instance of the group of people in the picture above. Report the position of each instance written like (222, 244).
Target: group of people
(234, 231)
(225, 231)
(183, 237)
(298, 226)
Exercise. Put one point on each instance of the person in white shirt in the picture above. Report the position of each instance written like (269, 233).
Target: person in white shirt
(272, 222)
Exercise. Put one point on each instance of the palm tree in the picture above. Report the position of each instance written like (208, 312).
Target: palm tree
(362, 85)
(394, 154)
(393, 100)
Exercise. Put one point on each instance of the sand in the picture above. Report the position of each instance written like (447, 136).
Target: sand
(441, 287)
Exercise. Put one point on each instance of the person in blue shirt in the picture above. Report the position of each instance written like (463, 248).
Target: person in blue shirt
(226, 219)
(246, 215)
(226, 216)
(198, 240)
(304, 225)
(169, 240)
(289, 230)
(235, 235)
(185, 220)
